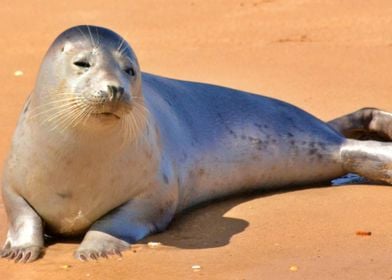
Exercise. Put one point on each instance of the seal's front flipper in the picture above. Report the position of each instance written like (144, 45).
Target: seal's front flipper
(98, 244)
(365, 124)
(123, 226)
(25, 240)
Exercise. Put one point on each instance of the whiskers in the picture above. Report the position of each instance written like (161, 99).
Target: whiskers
(63, 111)
(134, 123)
(90, 35)
(69, 110)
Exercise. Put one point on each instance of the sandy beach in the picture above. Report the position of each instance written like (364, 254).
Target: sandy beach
(327, 57)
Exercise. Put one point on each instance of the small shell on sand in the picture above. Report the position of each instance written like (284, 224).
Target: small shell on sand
(153, 244)
(196, 267)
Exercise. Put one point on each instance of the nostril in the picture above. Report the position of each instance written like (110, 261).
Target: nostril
(115, 92)
(112, 89)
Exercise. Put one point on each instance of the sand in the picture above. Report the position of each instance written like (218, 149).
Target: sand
(328, 57)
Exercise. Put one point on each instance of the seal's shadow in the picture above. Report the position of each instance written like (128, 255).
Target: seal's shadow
(203, 226)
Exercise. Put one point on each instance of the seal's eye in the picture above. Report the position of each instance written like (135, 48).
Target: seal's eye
(130, 71)
(82, 64)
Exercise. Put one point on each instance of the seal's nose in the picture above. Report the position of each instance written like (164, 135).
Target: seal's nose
(115, 92)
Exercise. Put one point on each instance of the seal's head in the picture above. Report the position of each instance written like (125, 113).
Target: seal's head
(89, 75)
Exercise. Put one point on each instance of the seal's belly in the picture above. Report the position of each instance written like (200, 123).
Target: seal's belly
(70, 198)
(71, 210)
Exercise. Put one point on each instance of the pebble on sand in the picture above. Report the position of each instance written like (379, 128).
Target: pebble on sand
(18, 73)
(293, 268)
(363, 233)
(65, 266)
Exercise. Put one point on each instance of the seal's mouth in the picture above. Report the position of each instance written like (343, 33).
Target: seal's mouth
(106, 115)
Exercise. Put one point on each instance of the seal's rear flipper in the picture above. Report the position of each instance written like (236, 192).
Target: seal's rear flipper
(365, 124)
(370, 159)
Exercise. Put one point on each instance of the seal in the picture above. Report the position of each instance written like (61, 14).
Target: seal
(107, 151)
